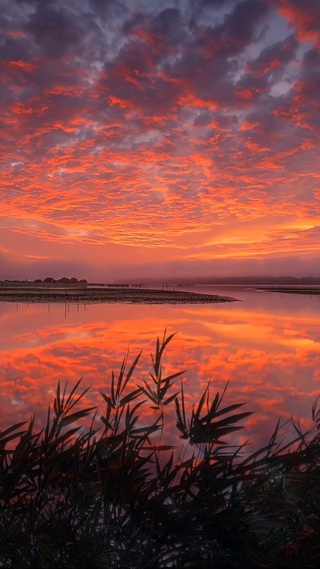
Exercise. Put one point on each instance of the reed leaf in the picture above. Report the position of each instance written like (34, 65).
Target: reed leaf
(121, 496)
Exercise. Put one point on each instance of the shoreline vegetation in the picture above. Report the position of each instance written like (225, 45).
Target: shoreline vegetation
(83, 292)
(314, 291)
(117, 494)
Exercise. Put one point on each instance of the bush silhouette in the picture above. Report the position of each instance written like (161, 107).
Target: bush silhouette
(114, 497)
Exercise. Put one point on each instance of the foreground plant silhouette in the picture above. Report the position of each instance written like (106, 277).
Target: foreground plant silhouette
(114, 497)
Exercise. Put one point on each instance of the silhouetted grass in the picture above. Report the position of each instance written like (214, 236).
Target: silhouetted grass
(109, 498)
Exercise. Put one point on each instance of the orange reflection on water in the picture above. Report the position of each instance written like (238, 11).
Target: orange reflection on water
(267, 352)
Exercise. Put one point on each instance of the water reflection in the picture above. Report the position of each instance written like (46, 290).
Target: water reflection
(266, 346)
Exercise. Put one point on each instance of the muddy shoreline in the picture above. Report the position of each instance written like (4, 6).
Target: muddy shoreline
(131, 296)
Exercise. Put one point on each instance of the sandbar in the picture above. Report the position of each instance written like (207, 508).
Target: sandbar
(292, 290)
(113, 295)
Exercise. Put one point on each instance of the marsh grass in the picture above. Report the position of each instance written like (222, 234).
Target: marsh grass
(118, 496)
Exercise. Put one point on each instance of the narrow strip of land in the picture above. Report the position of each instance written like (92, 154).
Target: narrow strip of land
(292, 290)
(114, 295)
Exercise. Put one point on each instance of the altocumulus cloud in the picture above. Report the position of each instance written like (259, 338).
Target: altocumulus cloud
(185, 130)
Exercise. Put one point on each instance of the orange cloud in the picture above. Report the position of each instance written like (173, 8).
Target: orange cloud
(149, 143)
(302, 17)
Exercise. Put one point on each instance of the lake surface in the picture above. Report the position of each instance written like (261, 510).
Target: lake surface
(266, 346)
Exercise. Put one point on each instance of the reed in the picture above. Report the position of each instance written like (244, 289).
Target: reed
(112, 496)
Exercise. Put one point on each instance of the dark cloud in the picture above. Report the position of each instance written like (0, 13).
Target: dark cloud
(310, 73)
(203, 118)
(134, 58)
(250, 88)
(103, 4)
(211, 3)
(237, 30)
(108, 7)
(273, 60)
(17, 49)
(167, 27)
(134, 23)
(225, 121)
(311, 60)
(310, 91)
(241, 23)
(54, 30)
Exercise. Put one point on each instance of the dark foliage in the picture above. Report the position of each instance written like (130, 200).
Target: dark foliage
(82, 497)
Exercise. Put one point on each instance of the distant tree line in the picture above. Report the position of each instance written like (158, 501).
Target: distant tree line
(62, 280)
(49, 280)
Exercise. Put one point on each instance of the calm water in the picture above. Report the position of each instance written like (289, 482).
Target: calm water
(266, 346)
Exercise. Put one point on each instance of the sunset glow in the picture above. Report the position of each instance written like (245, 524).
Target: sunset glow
(156, 139)
(267, 349)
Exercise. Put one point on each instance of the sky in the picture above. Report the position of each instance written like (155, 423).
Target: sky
(159, 138)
